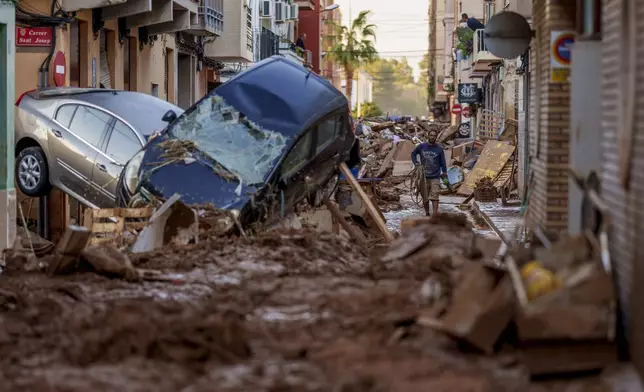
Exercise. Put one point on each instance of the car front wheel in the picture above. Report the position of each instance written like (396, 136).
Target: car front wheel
(32, 173)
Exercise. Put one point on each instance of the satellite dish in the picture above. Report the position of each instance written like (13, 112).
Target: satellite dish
(507, 35)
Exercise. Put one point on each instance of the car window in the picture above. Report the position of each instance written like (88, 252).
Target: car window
(123, 143)
(298, 156)
(89, 124)
(326, 132)
(64, 114)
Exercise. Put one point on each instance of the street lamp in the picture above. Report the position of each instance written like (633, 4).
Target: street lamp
(331, 7)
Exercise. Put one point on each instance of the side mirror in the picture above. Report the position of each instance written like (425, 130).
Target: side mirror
(169, 116)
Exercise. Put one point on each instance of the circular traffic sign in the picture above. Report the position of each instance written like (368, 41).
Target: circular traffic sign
(60, 70)
(466, 112)
(456, 109)
(561, 48)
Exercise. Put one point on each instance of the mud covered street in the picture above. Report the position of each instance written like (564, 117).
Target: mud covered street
(285, 311)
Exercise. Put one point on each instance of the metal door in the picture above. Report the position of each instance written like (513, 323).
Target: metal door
(122, 143)
(78, 131)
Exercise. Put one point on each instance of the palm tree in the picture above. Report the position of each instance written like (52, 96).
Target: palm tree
(353, 46)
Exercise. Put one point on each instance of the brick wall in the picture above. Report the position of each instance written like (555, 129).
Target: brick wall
(626, 205)
(549, 119)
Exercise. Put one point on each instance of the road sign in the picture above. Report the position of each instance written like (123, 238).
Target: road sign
(59, 69)
(466, 112)
(560, 55)
(34, 36)
(456, 109)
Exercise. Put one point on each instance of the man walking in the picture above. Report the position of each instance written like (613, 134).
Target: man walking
(432, 162)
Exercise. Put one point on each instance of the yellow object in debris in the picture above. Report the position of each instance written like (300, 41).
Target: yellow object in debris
(538, 280)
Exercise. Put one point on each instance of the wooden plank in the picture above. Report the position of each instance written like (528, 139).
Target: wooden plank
(493, 158)
(68, 249)
(373, 210)
(101, 227)
(337, 217)
(145, 212)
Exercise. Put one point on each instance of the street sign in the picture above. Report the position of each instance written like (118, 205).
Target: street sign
(466, 112)
(59, 69)
(34, 36)
(469, 93)
(560, 55)
(456, 109)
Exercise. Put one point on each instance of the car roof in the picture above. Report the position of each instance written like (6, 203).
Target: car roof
(134, 107)
(281, 95)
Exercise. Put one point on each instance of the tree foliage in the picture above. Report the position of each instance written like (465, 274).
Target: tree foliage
(368, 109)
(353, 46)
(395, 90)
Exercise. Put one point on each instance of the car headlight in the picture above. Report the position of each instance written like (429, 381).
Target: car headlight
(131, 175)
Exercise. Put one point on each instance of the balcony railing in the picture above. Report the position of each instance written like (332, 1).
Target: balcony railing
(209, 19)
(308, 58)
(289, 49)
(479, 50)
(269, 44)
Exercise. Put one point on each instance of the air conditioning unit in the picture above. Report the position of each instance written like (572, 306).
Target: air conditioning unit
(294, 11)
(266, 10)
(279, 12)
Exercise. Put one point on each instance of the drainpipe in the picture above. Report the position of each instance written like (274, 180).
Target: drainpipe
(255, 4)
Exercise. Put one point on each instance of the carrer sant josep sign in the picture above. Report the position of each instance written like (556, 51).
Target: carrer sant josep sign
(469, 93)
(34, 36)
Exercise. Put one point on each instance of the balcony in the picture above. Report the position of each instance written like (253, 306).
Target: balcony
(209, 20)
(77, 5)
(269, 44)
(482, 60)
(235, 45)
(306, 4)
(157, 16)
(290, 51)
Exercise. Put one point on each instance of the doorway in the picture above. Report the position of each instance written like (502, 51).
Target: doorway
(184, 81)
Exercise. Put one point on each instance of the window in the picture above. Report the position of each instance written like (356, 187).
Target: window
(155, 90)
(123, 143)
(327, 130)
(298, 156)
(65, 114)
(89, 124)
(589, 18)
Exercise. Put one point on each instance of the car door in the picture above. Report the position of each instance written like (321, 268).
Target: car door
(122, 143)
(329, 142)
(293, 172)
(78, 132)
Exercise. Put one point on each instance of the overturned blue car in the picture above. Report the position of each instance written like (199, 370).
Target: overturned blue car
(259, 144)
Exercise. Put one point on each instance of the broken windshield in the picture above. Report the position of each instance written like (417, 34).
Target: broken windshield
(230, 138)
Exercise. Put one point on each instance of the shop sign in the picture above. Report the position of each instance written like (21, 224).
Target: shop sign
(34, 36)
(469, 93)
(560, 55)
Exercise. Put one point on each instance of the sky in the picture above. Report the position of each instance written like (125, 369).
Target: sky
(402, 30)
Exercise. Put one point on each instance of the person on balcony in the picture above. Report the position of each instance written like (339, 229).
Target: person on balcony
(300, 41)
(472, 23)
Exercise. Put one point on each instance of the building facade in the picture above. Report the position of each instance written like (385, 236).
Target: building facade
(362, 89)
(7, 72)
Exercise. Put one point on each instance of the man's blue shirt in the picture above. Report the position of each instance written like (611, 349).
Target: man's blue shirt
(432, 157)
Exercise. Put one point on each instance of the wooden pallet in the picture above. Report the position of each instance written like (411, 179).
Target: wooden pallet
(108, 225)
(490, 125)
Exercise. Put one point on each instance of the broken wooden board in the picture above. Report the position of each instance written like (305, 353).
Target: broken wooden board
(481, 308)
(548, 358)
(108, 225)
(493, 158)
(68, 250)
(376, 214)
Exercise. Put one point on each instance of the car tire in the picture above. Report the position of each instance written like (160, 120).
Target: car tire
(32, 172)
